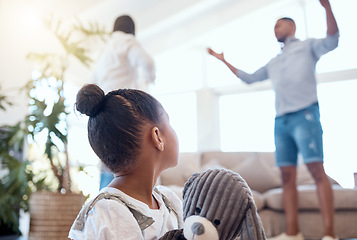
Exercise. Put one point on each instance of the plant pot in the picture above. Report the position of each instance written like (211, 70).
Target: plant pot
(52, 214)
(6, 232)
(9, 237)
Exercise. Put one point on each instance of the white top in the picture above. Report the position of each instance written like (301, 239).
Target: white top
(120, 62)
(110, 219)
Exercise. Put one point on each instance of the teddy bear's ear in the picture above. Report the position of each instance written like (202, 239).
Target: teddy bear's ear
(188, 184)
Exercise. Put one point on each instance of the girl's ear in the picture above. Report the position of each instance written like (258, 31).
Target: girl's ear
(157, 139)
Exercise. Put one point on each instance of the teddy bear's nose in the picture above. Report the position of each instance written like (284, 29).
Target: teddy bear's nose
(198, 228)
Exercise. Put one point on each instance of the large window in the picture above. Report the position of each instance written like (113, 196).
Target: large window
(249, 42)
(338, 118)
(247, 122)
(246, 115)
(246, 119)
(345, 56)
(182, 110)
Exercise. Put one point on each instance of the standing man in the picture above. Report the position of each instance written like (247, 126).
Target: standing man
(119, 65)
(297, 123)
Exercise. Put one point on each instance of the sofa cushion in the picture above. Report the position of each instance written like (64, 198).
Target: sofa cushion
(187, 165)
(304, 177)
(344, 198)
(213, 164)
(259, 200)
(310, 223)
(257, 169)
(258, 197)
(261, 172)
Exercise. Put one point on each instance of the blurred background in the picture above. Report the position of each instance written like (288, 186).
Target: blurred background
(209, 108)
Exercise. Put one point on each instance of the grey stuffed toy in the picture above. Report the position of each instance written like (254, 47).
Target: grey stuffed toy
(218, 205)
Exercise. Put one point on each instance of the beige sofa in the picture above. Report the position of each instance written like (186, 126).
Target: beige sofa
(263, 177)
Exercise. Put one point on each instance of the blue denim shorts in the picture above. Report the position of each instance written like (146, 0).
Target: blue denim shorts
(298, 132)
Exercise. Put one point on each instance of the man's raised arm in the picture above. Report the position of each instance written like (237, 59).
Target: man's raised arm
(332, 27)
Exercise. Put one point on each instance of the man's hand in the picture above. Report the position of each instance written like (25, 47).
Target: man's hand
(332, 27)
(219, 56)
(325, 3)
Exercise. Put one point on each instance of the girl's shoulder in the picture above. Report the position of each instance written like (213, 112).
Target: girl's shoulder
(171, 200)
(107, 202)
(105, 215)
(166, 191)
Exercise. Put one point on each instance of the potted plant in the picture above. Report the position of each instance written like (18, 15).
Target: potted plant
(14, 176)
(53, 212)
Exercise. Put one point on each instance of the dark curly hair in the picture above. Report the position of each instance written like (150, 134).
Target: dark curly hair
(116, 121)
(287, 19)
(124, 24)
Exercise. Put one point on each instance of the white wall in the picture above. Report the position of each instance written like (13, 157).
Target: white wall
(14, 71)
(161, 26)
(23, 31)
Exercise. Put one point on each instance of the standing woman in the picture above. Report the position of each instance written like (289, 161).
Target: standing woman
(122, 59)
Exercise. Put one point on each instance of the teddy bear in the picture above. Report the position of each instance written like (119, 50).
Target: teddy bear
(218, 205)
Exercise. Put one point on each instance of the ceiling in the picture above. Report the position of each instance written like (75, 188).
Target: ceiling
(162, 25)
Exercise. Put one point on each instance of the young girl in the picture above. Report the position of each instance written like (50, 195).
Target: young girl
(130, 132)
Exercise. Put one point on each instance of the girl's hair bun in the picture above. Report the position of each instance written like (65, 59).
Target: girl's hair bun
(89, 99)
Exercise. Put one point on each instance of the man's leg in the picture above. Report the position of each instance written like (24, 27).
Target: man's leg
(290, 199)
(286, 158)
(325, 195)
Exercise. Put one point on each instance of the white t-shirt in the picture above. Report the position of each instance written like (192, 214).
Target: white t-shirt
(110, 219)
(119, 64)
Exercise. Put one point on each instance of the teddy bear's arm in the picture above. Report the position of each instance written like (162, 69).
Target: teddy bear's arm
(176, 234)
